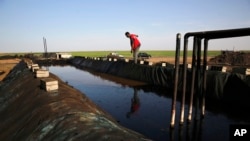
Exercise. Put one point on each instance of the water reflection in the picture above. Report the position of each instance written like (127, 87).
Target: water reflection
(191, 131)
(143, 108)
(135, 103)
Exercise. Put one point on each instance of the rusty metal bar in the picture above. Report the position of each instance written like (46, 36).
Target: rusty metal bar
(176, 76)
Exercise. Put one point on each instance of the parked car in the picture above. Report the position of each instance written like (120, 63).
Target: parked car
(143, 55)
(115, 55)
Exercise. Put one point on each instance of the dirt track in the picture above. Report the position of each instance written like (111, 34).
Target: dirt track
(167, 59)
(171, 60)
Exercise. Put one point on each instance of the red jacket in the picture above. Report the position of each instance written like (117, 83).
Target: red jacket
(134, 41)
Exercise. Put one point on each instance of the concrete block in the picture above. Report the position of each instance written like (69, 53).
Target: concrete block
(224, 69)
(141, 62)
(35, 68)
(34, 65)
(42, 73)
(150, 63)
(163, 64)
(248, 71)
(29, 65)
(49, 84)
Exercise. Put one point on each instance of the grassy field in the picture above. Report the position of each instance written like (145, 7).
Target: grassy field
(127, 53)
(158, 53)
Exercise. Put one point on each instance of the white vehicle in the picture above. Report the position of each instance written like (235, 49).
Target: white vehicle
(115, 55)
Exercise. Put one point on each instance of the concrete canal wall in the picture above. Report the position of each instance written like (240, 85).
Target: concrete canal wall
(29, 112)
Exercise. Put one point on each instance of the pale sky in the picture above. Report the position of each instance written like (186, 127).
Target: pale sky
(88, 25)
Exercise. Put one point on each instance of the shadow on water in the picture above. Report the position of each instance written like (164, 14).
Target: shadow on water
(146, 109)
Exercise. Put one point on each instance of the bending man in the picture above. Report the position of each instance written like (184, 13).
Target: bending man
(135, 45)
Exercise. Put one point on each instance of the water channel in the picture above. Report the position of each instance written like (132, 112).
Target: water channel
(144, 109)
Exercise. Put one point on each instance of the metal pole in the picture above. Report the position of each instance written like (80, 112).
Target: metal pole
(194, 57)
(198, 75)
(204, 78)
(44, 47)
(46, 54)
(176, 75)
(184, 80)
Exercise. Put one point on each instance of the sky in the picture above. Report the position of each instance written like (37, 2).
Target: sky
(89, 25)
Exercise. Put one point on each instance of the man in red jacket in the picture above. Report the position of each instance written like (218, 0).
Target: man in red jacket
(135, 44)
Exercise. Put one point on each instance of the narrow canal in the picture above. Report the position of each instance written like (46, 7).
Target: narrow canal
(143, 108)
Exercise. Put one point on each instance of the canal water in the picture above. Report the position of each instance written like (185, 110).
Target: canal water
(144, 109)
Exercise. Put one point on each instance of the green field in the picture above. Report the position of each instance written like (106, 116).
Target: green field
(127, 53)
(158, 53)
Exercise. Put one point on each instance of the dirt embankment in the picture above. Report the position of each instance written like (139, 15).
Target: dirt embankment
(232, 58)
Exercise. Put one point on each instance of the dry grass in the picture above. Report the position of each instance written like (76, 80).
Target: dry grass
(6, 66)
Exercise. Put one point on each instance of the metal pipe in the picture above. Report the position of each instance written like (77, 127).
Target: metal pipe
(198, 78)
(204, 78)
(216, 34)
(184, 81)
(46, 52)
(45, 47)
(44, 55)
(176, 76)
(193, 79)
